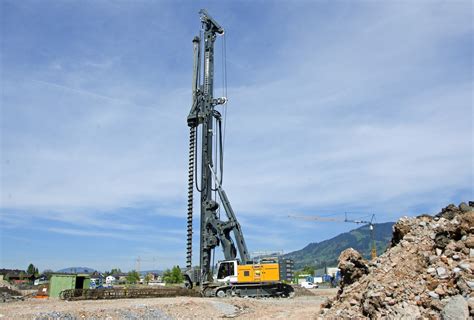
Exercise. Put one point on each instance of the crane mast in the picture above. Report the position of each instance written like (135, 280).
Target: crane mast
(203, 116)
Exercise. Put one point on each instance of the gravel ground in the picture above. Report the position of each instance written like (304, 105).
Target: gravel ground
(302, 307)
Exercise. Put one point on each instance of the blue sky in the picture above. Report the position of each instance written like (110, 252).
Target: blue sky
(364, 107)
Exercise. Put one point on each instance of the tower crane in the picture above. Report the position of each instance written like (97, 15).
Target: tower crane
(139, 260)
(370, 223)
(236, 275)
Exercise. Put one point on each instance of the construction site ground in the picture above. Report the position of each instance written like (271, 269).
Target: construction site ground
(305, 305)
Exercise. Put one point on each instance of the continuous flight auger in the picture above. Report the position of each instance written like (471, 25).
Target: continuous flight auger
(192, 157)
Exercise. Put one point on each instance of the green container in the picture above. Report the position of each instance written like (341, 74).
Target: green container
(61, 282)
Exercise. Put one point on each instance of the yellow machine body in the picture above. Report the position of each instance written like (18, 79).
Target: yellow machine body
(259, 278)
(266, 272)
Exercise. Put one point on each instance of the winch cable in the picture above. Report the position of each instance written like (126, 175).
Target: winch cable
(224, 45)
(221, 133)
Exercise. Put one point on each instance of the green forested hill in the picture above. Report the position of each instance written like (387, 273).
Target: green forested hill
(326, 253)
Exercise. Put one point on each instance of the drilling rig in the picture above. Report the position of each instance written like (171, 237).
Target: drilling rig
(235, 276)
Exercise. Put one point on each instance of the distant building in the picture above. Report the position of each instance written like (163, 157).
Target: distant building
(97, 276)
(304, 278)
(16, 276)
(332, 271)
(42, 279)
(97, 280)
(121, 277)
(286, 269)
(110, 280)
(151, 276)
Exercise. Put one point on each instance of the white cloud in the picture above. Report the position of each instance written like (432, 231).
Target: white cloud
(370, 113)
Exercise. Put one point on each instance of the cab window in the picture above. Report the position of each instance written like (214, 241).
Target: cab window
(225, 269)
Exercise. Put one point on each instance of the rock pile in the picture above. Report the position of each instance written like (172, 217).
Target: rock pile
(352, 267)
(426, 273)
(8, 294)
(299, 291)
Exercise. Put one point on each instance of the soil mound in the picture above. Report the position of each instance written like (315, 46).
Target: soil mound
(427, 272)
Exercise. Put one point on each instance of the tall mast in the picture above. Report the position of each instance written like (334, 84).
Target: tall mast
(213, 231)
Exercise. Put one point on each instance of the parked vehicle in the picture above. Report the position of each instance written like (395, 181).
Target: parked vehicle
(308, 285)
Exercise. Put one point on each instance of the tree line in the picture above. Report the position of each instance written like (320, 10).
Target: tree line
(173, 275)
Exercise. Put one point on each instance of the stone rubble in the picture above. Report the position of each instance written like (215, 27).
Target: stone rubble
(8, 294)
(426, 273)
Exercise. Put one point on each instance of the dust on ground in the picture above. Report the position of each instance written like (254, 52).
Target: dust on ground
(300, 307)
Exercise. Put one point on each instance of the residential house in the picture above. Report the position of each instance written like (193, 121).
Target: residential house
(109, 280)
(42, 279)
(16, 276)
(121, 278)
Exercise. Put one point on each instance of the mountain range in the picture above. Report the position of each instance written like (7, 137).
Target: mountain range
(326, 253)
(319, 254)
(77, 270)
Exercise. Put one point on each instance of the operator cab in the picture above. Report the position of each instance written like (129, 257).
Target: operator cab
(226, 271)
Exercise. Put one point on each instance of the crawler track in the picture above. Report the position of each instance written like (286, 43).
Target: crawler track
(251, 290)
(126, 293)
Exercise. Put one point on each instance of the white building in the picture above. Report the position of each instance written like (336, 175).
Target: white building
(110, 280)
(332, 271)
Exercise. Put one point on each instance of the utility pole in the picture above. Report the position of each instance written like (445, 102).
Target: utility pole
(139, 260)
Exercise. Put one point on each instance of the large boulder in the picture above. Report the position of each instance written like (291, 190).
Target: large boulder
(455, 309)
(400, 230)
(352, 266)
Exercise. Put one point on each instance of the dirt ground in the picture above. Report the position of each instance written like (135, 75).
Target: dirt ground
(300, 307)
